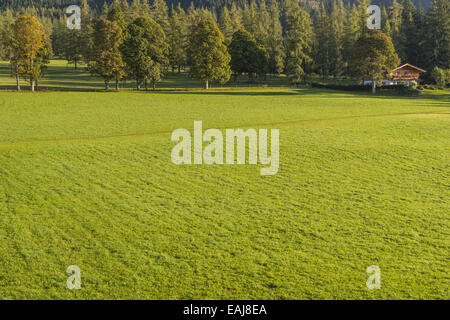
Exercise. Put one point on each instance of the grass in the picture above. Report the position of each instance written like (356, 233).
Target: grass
(86, 179)
(62, 76)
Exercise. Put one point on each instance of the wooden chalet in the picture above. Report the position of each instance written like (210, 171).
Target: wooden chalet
(406, 72)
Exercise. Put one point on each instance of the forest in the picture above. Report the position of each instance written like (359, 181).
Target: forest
(329, 38)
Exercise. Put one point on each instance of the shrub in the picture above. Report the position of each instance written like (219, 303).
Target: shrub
(439, 76)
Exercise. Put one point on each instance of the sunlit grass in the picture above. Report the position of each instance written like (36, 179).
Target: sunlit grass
(86, 179)
(63, 76)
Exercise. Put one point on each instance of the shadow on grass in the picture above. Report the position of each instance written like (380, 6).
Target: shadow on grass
(437, 99)
(50, 89)
(288, 91)
(256, 91)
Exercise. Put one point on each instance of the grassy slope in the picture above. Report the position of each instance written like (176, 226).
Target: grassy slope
(86, 179)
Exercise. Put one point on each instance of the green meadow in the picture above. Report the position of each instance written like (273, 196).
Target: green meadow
(62, 76)
(86, 179)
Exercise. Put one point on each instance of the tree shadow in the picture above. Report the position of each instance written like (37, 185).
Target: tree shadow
(11, 88)
(237, 91)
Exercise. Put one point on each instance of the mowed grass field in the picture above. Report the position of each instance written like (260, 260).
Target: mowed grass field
(86, 179)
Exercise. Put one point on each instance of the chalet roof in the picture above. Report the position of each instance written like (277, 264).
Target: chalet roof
(408, 65)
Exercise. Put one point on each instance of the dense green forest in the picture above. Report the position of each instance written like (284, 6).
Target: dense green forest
(216, 4)
(254, 38)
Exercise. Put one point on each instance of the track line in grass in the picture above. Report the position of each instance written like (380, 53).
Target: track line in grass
(277, 123)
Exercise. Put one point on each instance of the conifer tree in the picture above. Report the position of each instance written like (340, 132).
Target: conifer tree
(107, 58)
(351, 34)
(262, 24)
(191, 17)
(226, 25)
(177, 38)
(363, 15)
(417, 55)
(206, 14)
(337, 35)
(86, 42)
(395, 18)
(138, 8)
(73, 46)
(7, 20)
(116, 14)
(250, 17)
(298, 40)
(436, 48)
(236, 17)
(408, 42)
(120, 4)
(275, 40)
(160, 14)
(322, 29)
(385, 23)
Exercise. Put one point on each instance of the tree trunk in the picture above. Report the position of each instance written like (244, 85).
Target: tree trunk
(374, 87)
(106, 85)
(76, 63)
(154, 86)
(17, 80)
(37, 85)
(31, 79)
(207, 85)
(117, 84)
(138, 85)
(179, 69)
(146, 85)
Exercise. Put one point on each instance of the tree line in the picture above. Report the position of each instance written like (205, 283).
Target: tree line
(143, 41)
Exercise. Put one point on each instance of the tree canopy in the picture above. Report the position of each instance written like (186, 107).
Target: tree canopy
(373, 56)
(107, 59)
(210, 58)
(145, 51)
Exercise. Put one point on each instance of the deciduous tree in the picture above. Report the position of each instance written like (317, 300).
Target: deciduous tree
(247, 56)
(28, 41)
(145, 51)
(209, 55)
(373, 57)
